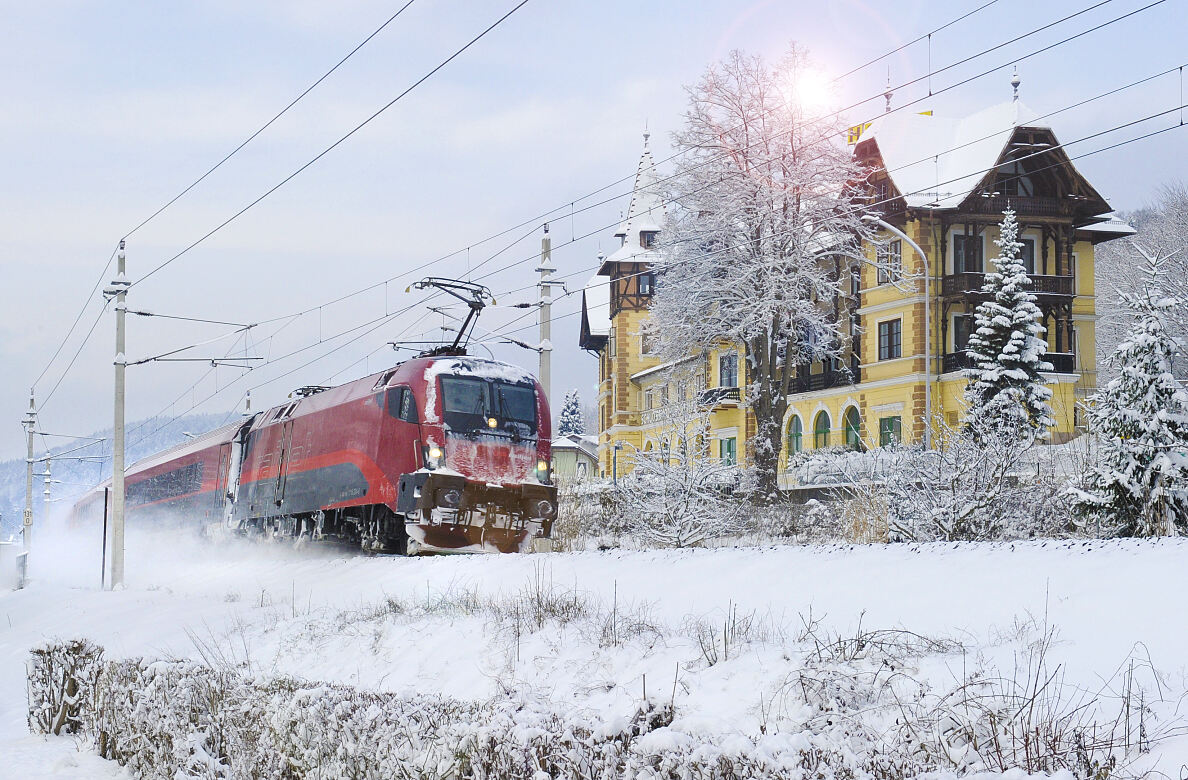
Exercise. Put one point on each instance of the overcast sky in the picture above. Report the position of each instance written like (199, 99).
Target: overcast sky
(110, 109)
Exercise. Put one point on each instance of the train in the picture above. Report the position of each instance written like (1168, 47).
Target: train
(438, 454)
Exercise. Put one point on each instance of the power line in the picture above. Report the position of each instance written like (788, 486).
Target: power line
(380, 321)
(73, 358)
(628, 178)
(334, 145)
(82, 310)
(269, 123)
(1096, 27)
(1110, 147)
(811, 121)
(211, 170)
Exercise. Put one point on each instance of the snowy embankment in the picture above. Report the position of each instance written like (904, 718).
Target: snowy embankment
(721, 634)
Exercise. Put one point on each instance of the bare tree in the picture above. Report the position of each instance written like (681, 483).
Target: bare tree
(765, 204)
(677, 494)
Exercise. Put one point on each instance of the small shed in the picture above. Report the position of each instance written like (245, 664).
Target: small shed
(575, 458)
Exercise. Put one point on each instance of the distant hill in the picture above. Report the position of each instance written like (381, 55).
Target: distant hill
(72, 478)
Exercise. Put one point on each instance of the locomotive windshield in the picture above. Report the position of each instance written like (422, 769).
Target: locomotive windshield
(471, 404)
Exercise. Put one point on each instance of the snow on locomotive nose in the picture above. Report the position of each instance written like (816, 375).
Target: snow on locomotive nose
(486, 478)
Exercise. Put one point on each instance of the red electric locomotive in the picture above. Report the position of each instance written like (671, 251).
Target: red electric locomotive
(443, 453)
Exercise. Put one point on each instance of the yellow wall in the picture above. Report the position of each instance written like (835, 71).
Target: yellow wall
(887, 388)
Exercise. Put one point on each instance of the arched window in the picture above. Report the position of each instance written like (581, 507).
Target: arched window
(795, 436)
(853, 427)
(821, 431)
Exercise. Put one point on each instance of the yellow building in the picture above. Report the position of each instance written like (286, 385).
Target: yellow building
(941, 182)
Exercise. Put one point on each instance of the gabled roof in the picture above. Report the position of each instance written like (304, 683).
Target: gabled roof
(939, 162)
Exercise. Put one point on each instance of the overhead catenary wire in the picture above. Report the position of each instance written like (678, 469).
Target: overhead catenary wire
(270, 122)
(950, 87)
(212, 169)
(499, 332)
(334, 145)
(628, 178)
(1110, 147)
(814, 120)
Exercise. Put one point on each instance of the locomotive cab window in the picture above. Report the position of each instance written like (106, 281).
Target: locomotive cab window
(473, 405)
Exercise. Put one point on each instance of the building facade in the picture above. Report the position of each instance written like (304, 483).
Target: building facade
(941, 182)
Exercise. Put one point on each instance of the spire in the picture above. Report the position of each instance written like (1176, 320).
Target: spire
(640, 228)
(887, 95)
(645, 210)
(1015, 82)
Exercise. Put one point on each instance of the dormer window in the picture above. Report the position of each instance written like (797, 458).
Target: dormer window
(647, 238)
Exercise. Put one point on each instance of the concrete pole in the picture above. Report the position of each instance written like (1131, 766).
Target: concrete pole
(927, 323)
(119, 287)
(546, 294)
(27, 523)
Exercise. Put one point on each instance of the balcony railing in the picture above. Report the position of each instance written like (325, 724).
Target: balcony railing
(719, 396)
(1062, 362)
(1034, 207)
(970, 283)
(836, 377)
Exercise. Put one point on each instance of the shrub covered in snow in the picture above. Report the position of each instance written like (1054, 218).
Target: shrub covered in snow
(854, 707)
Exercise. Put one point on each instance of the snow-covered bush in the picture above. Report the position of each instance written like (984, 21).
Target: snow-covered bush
(677, 494)
(62, 678)
(977, 485)
(855, 706)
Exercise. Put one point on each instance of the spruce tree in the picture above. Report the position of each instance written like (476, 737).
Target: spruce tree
(1139, 486)
(571, 420)
(1006, 392)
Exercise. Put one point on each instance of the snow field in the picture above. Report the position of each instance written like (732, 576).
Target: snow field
(582, 631)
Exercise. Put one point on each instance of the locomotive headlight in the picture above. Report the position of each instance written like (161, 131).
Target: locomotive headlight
(542, 471)
(435, 453)
(542, 466)
(492, 422)
(434, 457)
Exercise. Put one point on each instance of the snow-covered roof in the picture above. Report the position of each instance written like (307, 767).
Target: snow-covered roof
(1113, 225)
(937, 161)
(577, 441)
(596, 305)
(645, 214)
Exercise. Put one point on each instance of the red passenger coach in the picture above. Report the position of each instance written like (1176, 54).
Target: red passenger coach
(438, 454)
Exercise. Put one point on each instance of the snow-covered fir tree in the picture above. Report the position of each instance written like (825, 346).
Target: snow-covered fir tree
(571, 419)
(1006, 391)
(1139, 486)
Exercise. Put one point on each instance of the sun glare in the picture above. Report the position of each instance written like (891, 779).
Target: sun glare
(811, 90)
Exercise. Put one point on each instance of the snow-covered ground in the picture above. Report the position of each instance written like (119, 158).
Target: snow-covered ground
(451, 625)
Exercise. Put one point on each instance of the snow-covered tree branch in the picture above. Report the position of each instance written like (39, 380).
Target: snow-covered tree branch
(765, 227)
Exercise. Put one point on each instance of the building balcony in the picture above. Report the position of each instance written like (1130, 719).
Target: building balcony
(1024, 207)
(836, 377)
(719, 396)
(1062, 362)
(970, 284)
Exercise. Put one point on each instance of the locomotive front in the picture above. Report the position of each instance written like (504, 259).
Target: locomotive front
(486, 481)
